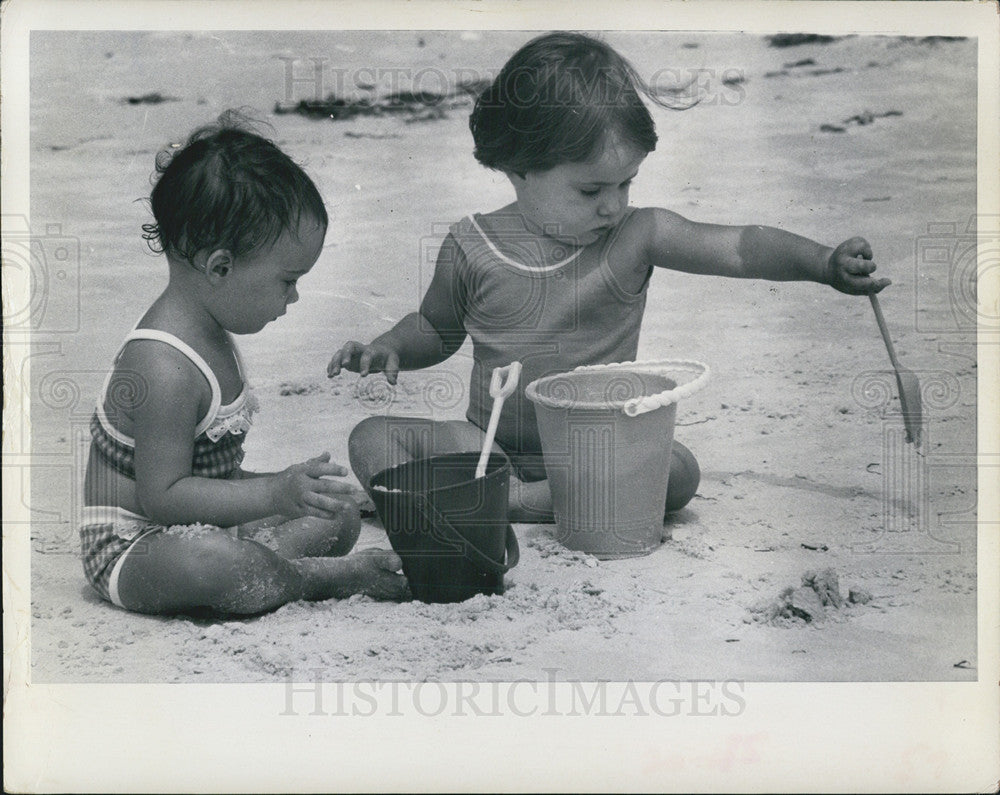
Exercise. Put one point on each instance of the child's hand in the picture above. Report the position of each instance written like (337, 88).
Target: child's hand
(365, 359)
(849, 267)
(303, 490)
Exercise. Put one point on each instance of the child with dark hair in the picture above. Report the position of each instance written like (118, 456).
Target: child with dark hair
(171, 522)
(558, 278)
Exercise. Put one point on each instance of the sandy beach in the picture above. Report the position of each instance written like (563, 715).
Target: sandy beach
(807, 480)
(799, 434)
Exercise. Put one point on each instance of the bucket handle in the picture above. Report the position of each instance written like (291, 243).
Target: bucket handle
(512, 550)
(641, 405)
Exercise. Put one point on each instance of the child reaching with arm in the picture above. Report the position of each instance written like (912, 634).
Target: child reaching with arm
(239, 224)
(558, 278)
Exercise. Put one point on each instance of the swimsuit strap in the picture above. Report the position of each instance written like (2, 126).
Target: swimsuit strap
(187, 350)
(519, 265)
(196, 358)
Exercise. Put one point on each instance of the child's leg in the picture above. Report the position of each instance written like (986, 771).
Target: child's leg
(532, 502)
(191, 568)
(685, 475)
(308, 536)
(378, 443)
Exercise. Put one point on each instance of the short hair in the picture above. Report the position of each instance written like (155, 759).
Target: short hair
(555, 101)
(227, 187)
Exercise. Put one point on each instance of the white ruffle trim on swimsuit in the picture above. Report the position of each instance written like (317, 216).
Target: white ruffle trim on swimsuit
(239, 421)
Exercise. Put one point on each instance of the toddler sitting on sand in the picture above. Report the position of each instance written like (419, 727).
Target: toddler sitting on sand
(558, 278)
(171, 521)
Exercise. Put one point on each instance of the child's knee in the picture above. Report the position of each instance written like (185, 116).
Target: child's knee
(188, 567)
(366, 437)
(530, 502)
(346, 530)
(364, 432)
(685, 476)
(213, 563)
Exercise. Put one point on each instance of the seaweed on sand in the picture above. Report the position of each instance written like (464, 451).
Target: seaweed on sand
(414, 105)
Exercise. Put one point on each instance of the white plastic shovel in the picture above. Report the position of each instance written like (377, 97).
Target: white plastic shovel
(499, 392)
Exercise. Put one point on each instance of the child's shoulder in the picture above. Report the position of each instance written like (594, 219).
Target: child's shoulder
(495, 222)
(643, 222)
(646, 225)
(155, 364)
(633, 232)
(471, 235)
(637, 244)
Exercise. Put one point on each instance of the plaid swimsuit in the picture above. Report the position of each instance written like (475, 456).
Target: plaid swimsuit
(108, 532)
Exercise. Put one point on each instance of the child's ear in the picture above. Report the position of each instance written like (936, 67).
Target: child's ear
(219, 264)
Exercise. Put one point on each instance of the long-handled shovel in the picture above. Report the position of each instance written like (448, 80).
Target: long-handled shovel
(906, 380)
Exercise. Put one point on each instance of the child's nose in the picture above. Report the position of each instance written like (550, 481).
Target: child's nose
(293, 296)
(610, 206)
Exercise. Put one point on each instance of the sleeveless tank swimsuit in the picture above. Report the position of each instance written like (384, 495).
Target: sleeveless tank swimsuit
(550, 316)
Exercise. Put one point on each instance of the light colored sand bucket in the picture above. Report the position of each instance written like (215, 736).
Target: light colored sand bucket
(607, 433)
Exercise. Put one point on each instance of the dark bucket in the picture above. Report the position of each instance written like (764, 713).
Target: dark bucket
(450, 529)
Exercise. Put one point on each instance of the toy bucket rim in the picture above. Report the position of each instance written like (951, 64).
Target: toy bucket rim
(474, 457)
(635, 406)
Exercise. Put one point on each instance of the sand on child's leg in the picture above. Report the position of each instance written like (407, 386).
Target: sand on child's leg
(204, 567)
(307, 536)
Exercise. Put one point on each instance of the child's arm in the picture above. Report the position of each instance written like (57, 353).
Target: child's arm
(421, 339)
(163, 426)
(758, 252)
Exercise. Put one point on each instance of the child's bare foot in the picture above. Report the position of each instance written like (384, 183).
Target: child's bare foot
(373, 572)
(379, 570)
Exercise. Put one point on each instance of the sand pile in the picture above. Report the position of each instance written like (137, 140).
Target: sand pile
(816, 599)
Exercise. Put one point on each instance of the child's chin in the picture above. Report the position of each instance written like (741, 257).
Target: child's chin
(582, 239)
(244, 330)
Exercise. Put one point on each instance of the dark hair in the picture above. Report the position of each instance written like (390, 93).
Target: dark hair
(227, 187)
(554, 102)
